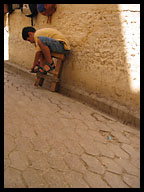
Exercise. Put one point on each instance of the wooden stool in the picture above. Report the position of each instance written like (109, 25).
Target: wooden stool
(54, 75)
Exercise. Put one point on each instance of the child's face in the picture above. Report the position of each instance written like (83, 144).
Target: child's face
(30, 38)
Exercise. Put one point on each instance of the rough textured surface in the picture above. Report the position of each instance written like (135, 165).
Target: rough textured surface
(105, 45)
(52, 141)
(121, 113)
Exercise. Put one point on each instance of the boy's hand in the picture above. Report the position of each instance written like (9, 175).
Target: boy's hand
(32, 68)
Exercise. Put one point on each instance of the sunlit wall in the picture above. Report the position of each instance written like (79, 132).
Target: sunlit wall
(131, 33)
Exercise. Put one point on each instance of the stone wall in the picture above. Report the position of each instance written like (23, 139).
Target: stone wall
(105, 42)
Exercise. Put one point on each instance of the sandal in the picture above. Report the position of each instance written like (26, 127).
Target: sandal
(43, 72)
(51, 66)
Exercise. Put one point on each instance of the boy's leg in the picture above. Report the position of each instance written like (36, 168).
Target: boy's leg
(47, 46)
(47, 56)
(46, 51)
(42, 60)
(42, 63)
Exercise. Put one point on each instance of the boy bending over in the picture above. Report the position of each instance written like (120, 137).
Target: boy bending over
(46, 40)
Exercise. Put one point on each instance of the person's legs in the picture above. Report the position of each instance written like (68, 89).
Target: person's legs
(46, 51)
(42, 63)
(47, 46)
(45, 58)
(42, 60)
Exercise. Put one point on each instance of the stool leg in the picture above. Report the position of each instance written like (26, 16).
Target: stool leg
(37, 81)
(41, 81)
(58, 67)
(53, 86)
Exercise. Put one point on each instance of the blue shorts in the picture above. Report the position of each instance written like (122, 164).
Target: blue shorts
(54, 45)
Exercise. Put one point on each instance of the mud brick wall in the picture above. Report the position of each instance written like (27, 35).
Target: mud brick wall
(104, 62)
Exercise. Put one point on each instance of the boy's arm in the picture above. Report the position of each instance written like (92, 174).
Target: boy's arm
(37, 56)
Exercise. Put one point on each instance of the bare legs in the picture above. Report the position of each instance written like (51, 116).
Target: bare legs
(47, 55)
(42, 60)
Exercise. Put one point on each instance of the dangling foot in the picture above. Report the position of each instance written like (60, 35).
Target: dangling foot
(47, 67)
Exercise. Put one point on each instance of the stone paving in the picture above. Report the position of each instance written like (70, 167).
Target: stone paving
(52, 141)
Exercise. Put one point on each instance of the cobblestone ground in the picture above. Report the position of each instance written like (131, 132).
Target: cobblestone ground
(51, 141)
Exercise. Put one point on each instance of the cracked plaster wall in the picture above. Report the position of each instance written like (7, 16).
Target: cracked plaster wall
(105, 49)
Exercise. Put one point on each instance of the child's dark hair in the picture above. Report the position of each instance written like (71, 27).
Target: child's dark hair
(26, 30)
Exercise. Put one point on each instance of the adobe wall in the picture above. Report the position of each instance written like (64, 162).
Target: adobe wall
(105, 42)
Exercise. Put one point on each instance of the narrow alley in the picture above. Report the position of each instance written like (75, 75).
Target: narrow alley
(52, 141)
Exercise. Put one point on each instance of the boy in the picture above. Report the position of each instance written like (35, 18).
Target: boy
(46, 40)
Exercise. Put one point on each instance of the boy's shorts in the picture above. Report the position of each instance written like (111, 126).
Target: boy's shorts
(54, 45)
